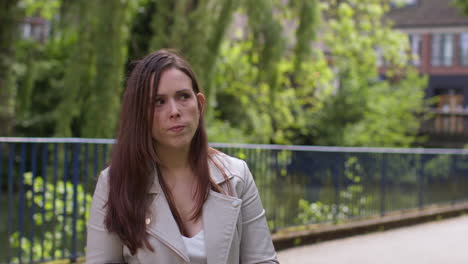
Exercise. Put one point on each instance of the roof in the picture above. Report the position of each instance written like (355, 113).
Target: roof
(428, 13)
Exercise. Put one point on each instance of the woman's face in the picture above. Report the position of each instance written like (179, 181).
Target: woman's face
(176, 113)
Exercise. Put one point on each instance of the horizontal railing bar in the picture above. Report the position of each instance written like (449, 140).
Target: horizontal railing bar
(257, 146)
(57, 140)
(344, 149)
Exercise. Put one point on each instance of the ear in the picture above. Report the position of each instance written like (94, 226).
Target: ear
(201, 102)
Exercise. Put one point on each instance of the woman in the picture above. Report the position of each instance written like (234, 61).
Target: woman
(166, 196)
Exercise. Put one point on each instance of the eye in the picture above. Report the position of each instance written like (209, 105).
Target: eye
(159, 101)
(185, 96)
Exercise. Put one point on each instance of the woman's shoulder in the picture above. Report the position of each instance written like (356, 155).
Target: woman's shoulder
(238, 173)
(102, 180)
(105, 171)
(234, 167)
(104, 175)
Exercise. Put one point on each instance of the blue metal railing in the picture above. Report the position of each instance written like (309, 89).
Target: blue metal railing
(45, 189)
(46, 186)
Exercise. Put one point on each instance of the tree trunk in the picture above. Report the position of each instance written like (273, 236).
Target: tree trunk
(10, 16)
(103, 105)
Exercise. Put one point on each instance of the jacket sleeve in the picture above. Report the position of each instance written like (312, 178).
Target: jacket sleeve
(256, 244)
(101, 246)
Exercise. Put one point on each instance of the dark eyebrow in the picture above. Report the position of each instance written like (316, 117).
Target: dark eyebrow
(183, 90)
(178, 92)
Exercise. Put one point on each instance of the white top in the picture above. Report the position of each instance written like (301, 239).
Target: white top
(196, 248)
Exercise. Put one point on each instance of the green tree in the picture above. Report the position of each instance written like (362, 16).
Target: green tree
(196, 29)
(103, 100)
(17, 57)
(365, 110)
(245, 101)
(278, 82)
(94, 74)
(463, 5)
(275, 81)
(11, 15)
(79, 68)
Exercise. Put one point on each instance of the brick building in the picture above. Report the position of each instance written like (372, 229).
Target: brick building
(438, 35)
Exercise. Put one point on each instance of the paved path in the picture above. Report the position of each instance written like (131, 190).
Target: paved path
(441, 242)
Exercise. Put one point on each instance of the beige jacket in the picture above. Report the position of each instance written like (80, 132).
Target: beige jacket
(235, 228)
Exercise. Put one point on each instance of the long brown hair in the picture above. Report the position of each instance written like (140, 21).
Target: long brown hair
(134, 158)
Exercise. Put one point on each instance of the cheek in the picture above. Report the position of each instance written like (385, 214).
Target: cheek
(156, 124)
(195, 114)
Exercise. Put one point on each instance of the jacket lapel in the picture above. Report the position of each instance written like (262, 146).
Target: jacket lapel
(220, 214)
(162, 225)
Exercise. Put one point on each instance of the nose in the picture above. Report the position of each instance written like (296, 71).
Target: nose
(174, 111)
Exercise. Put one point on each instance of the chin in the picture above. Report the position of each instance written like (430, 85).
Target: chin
(179, 143)
(176, 142)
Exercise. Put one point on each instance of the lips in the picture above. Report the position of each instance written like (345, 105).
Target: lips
(177, 129)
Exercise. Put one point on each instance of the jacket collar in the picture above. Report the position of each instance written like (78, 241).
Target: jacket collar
(215, 174)
(220, 215)
(162, 225)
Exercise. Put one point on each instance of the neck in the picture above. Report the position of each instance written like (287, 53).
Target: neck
(175, 167)
(173, 159)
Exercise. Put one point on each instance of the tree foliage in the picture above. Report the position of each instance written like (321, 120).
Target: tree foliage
(103, 100)
(463, 5)
(9, 13)
(53, 212)
(292, 72)
(196, 29)
(365, 109)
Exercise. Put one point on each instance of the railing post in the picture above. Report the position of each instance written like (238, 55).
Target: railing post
(383, 182)
(54, 198)
(420, 171)
(44, 189)
(104, 155)
(95, 164)
(11, 159)
(22, 202)
(64, 197)
(31, 212)
(75, 158)
(275, 174)
(453, 178)
(85, 186)
(336, 179)
(1, 174)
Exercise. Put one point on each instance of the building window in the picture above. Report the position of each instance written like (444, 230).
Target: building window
(410, 2)
(449, 115)
(35, 28)
(415, 49)
(380, 58)
(26, 31)
(442, 50)
(403, 3)
(464, 49)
